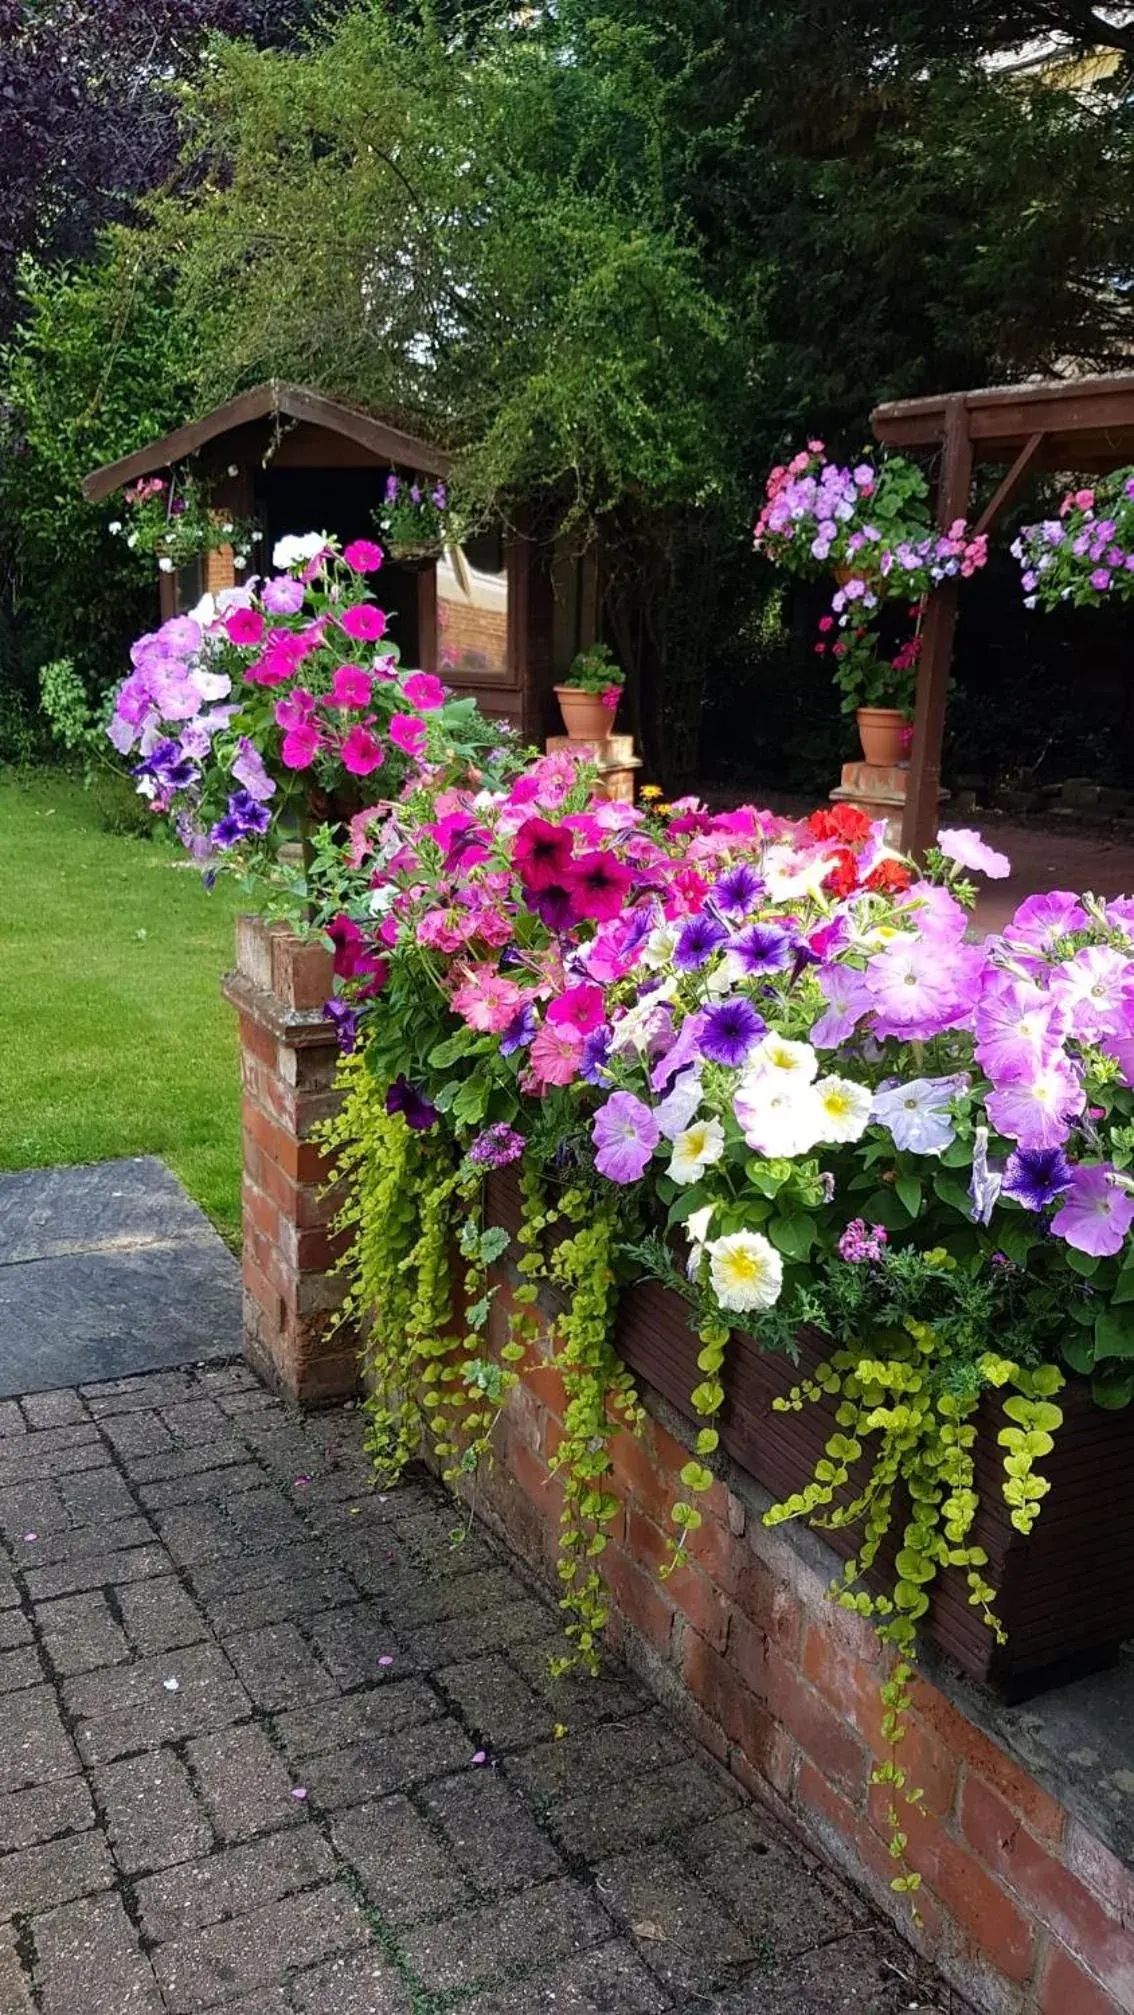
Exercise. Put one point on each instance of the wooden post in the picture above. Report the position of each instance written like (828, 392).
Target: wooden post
(919, 825)
(427, 619)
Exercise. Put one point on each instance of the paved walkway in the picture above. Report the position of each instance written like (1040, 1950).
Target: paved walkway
(269, 1744)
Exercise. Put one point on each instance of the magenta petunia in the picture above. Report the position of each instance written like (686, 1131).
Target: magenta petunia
(300, 746)
(424, 691)
(625, 1133)
(244, 626)
(408, 734)
(364, 622)
(361, 752)
(363, 555)
(542, 853)
(1097, 1212)
(350, 687)
(581, 1006)
(599, 885)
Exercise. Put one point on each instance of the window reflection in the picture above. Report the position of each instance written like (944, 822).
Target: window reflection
(472, 610)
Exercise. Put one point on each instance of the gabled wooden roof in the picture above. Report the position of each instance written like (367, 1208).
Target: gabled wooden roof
(1074, 423)
(292, 402)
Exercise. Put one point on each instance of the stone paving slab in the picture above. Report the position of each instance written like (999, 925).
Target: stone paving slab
(281, 1749)
(106, 1271)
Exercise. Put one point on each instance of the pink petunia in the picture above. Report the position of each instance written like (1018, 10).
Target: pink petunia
(363, 555)
(361, 752)
(424, 692)
(300, 746)
(487, 1001)
(364, 622)
(408, 734)
(295, 709)
(554, 1057)
(350, 687)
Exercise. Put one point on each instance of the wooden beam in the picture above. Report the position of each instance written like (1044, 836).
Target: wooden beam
(1010, 483)
(919, 824)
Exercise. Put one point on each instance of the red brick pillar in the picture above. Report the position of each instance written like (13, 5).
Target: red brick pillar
(288, 1060)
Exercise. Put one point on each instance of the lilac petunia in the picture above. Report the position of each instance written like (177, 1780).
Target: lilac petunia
(1037, 1111)
(248, 769)
(985, 1186)
(921, 986)
(1018, 1026)
(283, 596)
(1097, 1212)
(917, 1115)
(625, 1133)
(1042, 920)
(1096, 989)
(967, 848)
(680, 1106)
(847, 1001)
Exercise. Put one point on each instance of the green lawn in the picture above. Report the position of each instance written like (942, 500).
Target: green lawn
(114, 1039)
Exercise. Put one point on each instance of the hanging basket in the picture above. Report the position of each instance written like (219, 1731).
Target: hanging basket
(414, 555)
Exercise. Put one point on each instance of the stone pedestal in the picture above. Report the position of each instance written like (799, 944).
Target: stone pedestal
(614, 759)
(288, 1061)
(879, 790)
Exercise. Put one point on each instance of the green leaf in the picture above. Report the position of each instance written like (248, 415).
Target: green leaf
(908, 1188)
(493, 1243)
(1112, 1389)
(1085, 1263)
(1123, 1289)
(1079, 1353)
(794, 1233)
(952, 1192)
(1114, 1332)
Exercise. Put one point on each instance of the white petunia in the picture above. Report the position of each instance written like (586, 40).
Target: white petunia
(695, 1150)
(211, 685)
(774, 1055)
(659, 947)
(746, 1271)
(288, 552)
(846, 1108)
(165, 564)
(789, 879)
(643, 1020)
(779, 1120)
(697, 1227)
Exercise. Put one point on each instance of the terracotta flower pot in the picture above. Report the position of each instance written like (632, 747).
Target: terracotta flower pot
(882, 732)
(585, 717)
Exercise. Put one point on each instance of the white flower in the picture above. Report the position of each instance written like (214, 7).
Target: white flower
(205, 611)
(165, 564)
(746, 1271)
(779, 1120)
(846, 1108)
(115, 526)
(131, 539)
(289, 552)
(227, 526)
(775, 1055)
(232, 469)
(659, 947)
(697, 1226)
(211, 685)
(382, 899)
(787, 879)
(695, 1149)
(639, 1022)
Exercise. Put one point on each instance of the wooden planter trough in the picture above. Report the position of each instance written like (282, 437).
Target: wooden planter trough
(1065, 1595)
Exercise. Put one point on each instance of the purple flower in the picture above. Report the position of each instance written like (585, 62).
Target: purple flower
(762, 948)
(737, 889)
(1096, 987)
(596, 1050)
(1100, 580)
(520, 1031)
(847, 1002)
(1036, 1111)
(858, 1244)
(1042, 920)
(680, 1106)
(168, 768)
(1097, 1213)
(684, 1049)
(922, 986)
(917, 1115)
(244, 817)
(553, 905)
(697, 940)
(625, 1133)
(1035, 1176)
(730, 1031)
(414, 1107)
(1017, 1026)
(966, 847)
(345, 1022)
(497, 1146)
(283, 596)
(248, 769)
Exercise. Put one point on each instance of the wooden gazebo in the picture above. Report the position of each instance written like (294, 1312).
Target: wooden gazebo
(296, 461)
(1076, 425)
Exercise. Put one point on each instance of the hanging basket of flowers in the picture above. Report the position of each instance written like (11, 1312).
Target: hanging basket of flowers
(1085, 556)
(414, 520)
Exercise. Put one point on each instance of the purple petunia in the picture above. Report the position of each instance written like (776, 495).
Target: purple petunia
(1036, 1176)
(736, 890)
(625, 1133)
(245, 816)
(1097, 1212)
(1037, 1110)
(730, 1031)
(697, 940)
(596, 1050)
(497, 1146)
(415, 1108)
(986, 1182)
(345, 1021)
(520, 1031)
(762, 948)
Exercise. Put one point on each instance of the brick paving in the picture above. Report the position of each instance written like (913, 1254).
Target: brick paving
(270, 1743)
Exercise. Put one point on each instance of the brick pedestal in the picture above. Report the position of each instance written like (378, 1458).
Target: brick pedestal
(288, 1062)
(614, 759)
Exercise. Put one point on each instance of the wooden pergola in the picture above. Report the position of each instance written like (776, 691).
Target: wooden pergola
(1076, 425)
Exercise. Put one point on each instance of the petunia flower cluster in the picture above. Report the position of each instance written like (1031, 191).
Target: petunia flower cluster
(1084, 556)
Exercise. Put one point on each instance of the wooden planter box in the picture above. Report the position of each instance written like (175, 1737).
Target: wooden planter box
(1065, 1595)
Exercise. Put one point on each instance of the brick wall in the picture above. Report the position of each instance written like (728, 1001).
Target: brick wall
(288, 1061)
(1024, 1910)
